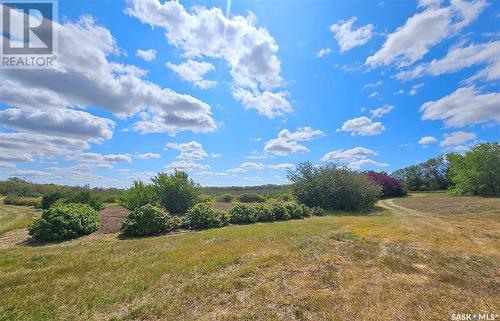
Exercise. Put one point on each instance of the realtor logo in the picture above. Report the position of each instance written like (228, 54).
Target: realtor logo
(28, 34)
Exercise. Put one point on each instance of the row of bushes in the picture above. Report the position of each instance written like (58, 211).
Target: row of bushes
(253, 197)
(151, 220)
(22, 201)
(82, 197)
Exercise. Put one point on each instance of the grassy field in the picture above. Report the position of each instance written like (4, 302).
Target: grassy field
(417, 258)
(15, 217)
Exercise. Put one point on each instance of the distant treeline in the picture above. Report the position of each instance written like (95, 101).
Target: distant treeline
(475, 173)
(19, 187)
(238, 190)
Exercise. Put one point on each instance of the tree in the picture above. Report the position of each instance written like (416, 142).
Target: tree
(478, 171)
(390, 185)
(333, 187)
(176, 192)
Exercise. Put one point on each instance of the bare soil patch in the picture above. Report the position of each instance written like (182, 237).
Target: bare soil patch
(111, 219)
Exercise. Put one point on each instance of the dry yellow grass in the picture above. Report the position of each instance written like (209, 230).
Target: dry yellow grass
(401, 263)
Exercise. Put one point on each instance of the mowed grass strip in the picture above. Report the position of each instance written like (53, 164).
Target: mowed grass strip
(15, 217)
(339, 267)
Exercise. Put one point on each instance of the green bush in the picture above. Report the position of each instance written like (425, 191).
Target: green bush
(264, 212)
(22, 201)
(243, 214)
(202, 216)
(296, 211)
(226, 198)
(280, 212)
(331, 187)
(251, 198)
(176, 192)
(478, 171)
(65, 222)
(83, 197)
(137, 196)
(147, 220)
(180, 222)
(317, 211)
(48, 199)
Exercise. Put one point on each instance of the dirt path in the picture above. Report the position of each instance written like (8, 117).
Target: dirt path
(111, 219)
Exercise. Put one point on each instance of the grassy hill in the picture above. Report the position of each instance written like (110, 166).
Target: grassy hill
(420, 257)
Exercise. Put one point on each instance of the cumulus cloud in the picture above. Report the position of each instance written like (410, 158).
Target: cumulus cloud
(110, 86)
(362, 126)
(412, 41)
(149, 156)
(355, 158)
(192, 150)
(282, 166)
(459, 58)
(349, 37)
(148, 55)
(194, 72)
(379, 112)
(286, 142)
(457, 138)
(415, 88)
(324, 52)
(426, 140)
(188, 166)
(250, 52)
(59, 122)
(98, 160)
(244, 167)
(465, 106)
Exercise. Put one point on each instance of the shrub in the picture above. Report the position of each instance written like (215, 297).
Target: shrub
(478, 171)
(65, 222)
(280, 212)
(48, 199)
(147, 220)
(137, 196)
(202, 216)
(296, 211)
(329, 186)
(243, 214)
(264, 212)
(226, 198)
(176, 192)
(83, 197)
(22, 201)
(317, 211)
(179, 222)
(252, 198)
(390, 185)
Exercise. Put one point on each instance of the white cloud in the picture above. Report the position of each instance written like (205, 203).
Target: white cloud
(354, 158)
(188, 166)
(324, 52)
(191, 150)
(149, 156)
(366, 163)
(373, 94)
(465, 106)
(59, 122)
(362, 126)
(426, 140)
(373, 85)
(415, 88)
(215, 155)
(282, 166)
(244, 167)
(148, 55)
(347, 37)
(101, 84)
(429, 3)
(458, 58)
(286, 142)
(194, 72)
(250, 52)
(255, 139)
(457, 138)
(379, 112)
(412, 41)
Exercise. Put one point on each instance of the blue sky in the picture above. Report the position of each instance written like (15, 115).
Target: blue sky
(237, 94)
